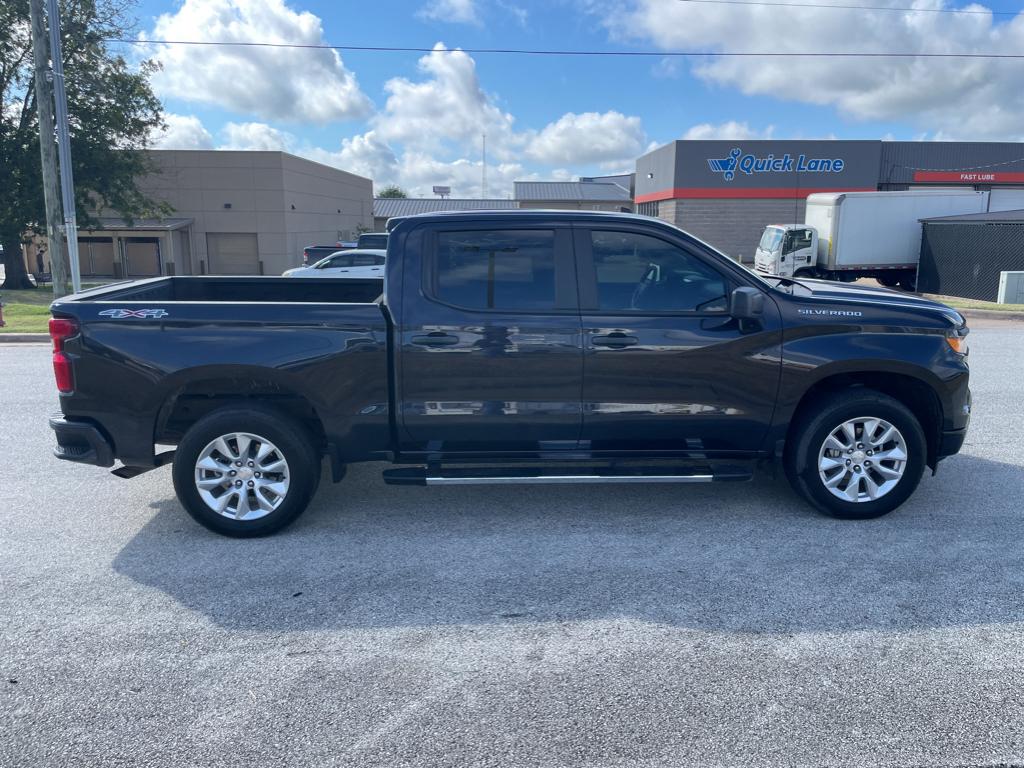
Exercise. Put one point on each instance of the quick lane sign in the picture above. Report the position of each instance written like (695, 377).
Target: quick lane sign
(751, 164)
(971, 177)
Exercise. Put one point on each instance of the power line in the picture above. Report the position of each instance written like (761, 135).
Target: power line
(854, 7)
(554, 52)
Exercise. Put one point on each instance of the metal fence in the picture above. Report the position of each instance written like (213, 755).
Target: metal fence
(965, 259)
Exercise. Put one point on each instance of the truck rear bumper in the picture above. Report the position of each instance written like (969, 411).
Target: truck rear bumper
(81, 442)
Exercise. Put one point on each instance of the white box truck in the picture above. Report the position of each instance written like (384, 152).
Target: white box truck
(849, 235)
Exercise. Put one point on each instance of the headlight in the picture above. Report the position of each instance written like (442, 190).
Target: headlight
(957, 340)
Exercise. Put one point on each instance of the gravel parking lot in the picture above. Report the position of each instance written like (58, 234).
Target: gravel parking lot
(554, 626)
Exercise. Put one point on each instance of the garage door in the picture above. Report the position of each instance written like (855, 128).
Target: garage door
(96, 256)
(232, 253)
(142, 256)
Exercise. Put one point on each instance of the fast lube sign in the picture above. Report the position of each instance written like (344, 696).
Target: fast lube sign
(752, 164)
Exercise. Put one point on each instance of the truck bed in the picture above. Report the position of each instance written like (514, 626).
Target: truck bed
(239, 289)
(144, 346)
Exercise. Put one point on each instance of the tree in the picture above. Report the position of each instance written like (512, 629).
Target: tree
(112, 112)
(392, 190)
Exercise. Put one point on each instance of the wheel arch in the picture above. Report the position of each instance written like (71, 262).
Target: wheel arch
(191, 395)
(914, 392)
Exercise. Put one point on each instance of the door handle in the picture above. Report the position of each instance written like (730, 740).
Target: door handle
(436, 339)
(615, 340)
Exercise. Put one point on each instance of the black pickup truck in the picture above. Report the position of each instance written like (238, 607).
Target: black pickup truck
(511, 347)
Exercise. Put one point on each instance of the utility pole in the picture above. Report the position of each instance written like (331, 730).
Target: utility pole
(47, 148)
(483, 169)
(67, 180)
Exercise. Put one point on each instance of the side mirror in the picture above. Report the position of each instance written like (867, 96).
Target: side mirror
(746, 303)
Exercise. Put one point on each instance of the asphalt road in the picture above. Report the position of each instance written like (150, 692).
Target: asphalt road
(557, 626)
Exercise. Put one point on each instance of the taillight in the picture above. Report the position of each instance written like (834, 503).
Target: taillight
(62, 329)
(305, 256)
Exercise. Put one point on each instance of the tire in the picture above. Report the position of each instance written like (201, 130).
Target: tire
(279, 493)
(889, 281)
(909, 283)
(810, 463)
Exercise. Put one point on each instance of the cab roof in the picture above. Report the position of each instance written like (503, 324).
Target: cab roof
(521, 214)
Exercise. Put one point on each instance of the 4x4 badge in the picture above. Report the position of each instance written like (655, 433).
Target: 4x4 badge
(121, 314)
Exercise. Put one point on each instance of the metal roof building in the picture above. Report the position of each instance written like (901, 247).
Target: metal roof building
(990, 217)
(966, 255)
(385, 208)
(574, 195)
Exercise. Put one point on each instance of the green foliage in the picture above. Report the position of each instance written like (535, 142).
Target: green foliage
(26, 318)
(392, 190)
(111, 107)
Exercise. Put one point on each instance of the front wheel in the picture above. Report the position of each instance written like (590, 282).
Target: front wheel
(857, 455)
(245, 471)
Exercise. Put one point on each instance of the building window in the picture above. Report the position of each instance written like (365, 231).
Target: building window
(649, 209)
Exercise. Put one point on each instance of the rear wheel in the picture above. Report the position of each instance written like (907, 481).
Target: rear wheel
(245, 471)
(856, 456)
(889, 280)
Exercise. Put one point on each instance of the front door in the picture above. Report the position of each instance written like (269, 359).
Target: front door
(798, 250)
(490, 358)
(665, 366)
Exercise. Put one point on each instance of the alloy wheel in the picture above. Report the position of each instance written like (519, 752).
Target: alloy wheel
(242, 476)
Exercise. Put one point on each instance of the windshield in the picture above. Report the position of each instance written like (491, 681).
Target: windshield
(771, 239)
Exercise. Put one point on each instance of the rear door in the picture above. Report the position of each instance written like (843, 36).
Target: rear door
(665, 366)
(490, 356)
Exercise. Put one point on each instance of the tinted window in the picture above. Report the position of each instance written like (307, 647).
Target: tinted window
(513, 270)
(639, 272)
(373, 241)
(351, 259)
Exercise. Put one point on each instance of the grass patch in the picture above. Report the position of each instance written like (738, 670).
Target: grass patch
(37, 297)
(25, 318)
(958, 303)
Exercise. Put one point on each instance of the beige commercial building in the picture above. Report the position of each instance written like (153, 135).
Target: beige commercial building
(234, 213)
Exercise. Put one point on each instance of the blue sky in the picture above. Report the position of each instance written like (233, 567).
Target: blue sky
(409, 118)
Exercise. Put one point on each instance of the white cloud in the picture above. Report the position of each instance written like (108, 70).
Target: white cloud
(456, 11)
(429, 133)
(256, 136)
(588, 138)
(519, 14)
(728, 130)
(447, 109)
(272, 83)
(963, 98)
(438, 121)
(181, 132)
(419, 172)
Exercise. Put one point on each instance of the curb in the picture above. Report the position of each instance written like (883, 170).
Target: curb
(991, 314)
(24, 338)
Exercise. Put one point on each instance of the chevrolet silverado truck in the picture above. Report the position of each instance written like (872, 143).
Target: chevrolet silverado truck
(511, 347)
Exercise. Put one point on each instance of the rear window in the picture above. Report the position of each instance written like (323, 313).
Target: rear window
(373, 241)
(502, 270)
